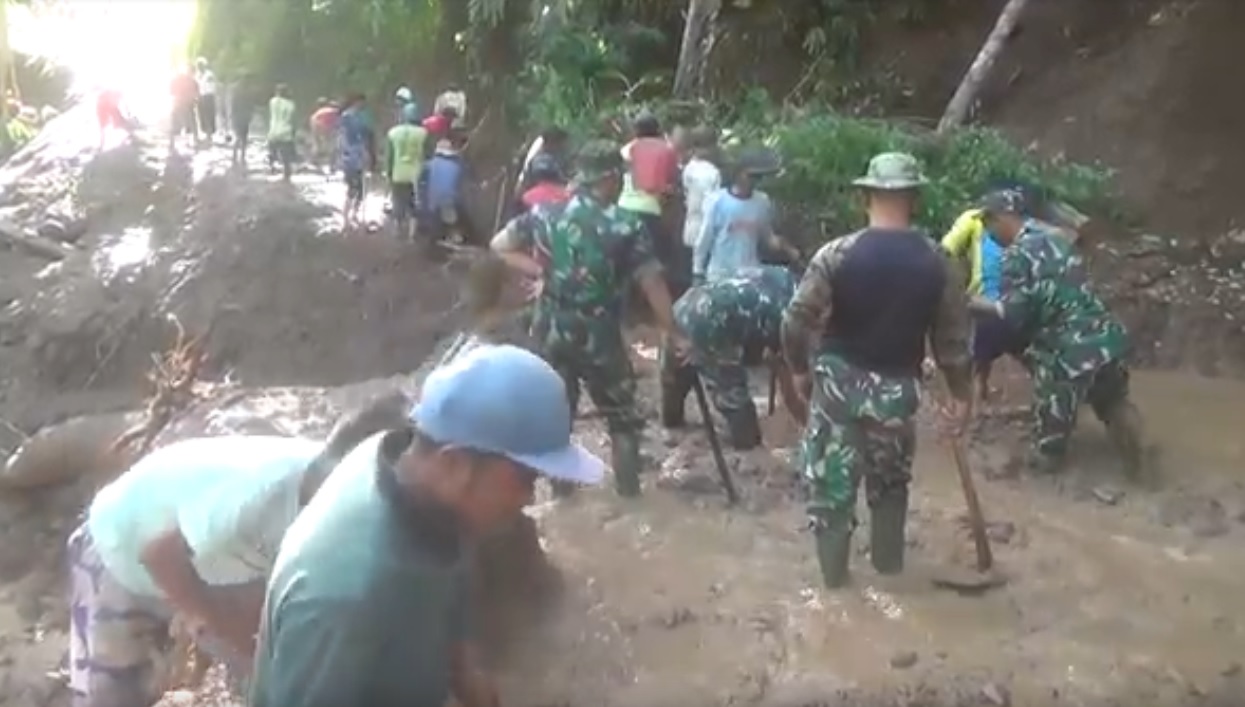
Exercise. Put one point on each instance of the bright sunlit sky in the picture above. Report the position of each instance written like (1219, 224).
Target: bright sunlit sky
(133, 45)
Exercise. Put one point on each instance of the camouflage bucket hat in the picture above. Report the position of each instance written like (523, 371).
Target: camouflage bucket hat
(1004, 201)
(598, 159)
(892, 171)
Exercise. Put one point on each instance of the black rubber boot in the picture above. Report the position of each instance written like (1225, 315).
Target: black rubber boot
(744, 428)
(887, 517)
(625, 450)
(675, 385)
(833, 534)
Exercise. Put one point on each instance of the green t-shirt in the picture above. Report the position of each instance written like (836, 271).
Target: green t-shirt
(280, 119)
(367, 599)
(406, 152)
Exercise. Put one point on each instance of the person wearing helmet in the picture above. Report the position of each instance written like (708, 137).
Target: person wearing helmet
(548, 186)
(401, 99)
(738, 220)
(405, 161)
(587, 255)
(857, 327)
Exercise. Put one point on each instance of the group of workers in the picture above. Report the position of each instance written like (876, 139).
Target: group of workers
(339, 572)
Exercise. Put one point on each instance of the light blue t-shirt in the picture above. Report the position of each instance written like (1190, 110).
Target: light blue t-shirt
(991, 267)
(232, 498)
(731, 234)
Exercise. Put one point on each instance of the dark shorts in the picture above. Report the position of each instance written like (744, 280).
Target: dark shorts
(402, 200)
(993, 337)
(282, 150)
(354, 183)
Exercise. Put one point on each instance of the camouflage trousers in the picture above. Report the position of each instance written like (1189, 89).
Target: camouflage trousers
(723, 373)
(862, 425)
(592, 353)
(1057, 400)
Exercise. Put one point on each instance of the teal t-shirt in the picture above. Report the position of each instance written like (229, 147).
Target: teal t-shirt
(232, 497)
(364, 606)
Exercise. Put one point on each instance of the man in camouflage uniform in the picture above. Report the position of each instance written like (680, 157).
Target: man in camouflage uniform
(873, 297)
(729, 321)
(585, 252)
(1077, 349)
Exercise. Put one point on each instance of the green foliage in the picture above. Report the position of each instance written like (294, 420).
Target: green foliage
(824, 153)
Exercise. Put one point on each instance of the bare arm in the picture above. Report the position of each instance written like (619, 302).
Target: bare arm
(513, 244)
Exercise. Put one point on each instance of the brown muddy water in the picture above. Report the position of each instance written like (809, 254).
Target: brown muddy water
(1114, 594)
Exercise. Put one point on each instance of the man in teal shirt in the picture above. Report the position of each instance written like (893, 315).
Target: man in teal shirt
(368, 603)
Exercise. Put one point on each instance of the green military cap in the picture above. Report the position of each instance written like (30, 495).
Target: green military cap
(892, 171)
(598, 159)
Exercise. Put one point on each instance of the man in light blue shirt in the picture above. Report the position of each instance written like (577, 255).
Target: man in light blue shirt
(192, 529)
(737, 221)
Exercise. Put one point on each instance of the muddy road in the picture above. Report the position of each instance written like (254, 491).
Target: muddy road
(1115, 595)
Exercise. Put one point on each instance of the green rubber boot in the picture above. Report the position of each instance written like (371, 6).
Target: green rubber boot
(833, 533)
(625, 450)
(887, 518)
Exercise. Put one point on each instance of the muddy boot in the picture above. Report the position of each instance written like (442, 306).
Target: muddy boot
(1125, 430)
(625, 449)
(886, 532)
(744, 429)
(675, 386)
(833, 534)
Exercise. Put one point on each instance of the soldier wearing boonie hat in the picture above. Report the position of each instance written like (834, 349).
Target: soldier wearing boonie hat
(857, 327)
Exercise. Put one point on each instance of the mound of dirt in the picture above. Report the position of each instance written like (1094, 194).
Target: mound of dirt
(252, 262)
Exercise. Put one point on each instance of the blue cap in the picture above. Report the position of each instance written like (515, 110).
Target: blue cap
(507, 401)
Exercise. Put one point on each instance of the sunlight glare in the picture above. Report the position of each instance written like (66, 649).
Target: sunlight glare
(131, 45)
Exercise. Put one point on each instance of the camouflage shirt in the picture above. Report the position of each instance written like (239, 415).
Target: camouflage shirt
(724, 315)
(811, 310)
(589, 253)
(1048, 298)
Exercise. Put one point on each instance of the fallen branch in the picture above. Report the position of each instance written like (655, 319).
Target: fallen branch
(173, 379)
(33, 245)
(958, 108)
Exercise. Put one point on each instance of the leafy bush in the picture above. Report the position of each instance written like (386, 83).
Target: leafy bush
(824, 153)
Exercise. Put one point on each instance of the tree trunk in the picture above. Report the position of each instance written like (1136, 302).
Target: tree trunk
(698, 39)
(958, 109)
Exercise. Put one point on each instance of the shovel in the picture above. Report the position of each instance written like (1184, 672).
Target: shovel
(983, 576)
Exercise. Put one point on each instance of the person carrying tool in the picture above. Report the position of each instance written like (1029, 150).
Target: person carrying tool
(873, 297)
(1077, 349)
(192, 529)
(387, 622)
(730, 321)
(583, 254)
(738, 221)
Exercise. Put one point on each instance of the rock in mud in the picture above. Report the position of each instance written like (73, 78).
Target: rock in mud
(904, 660)
(996, 695)
(65, 451)
(1204, 517)
(1108, 495)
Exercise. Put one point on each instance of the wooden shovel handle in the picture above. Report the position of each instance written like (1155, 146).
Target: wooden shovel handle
(977, 523)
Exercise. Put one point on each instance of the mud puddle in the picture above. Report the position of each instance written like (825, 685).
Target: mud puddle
(675, 599)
